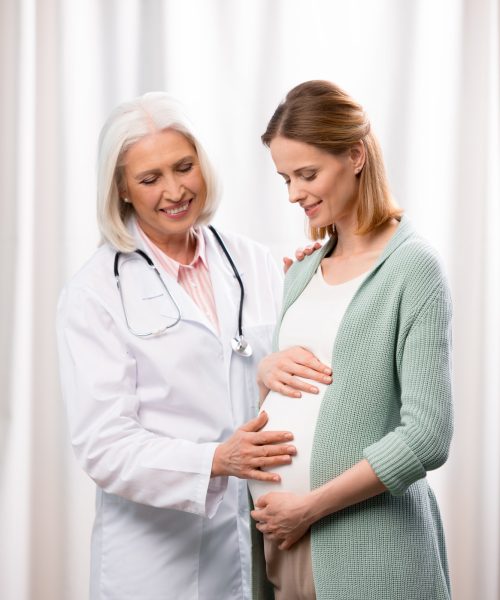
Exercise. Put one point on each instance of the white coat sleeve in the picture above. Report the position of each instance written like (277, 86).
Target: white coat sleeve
(98, 379)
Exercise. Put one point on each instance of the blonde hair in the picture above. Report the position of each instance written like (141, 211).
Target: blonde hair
(321, 114)
(128, 123)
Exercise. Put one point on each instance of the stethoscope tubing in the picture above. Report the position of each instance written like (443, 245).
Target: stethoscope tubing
(239, 344)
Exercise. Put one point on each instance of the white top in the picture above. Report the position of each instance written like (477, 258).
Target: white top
(311, 322)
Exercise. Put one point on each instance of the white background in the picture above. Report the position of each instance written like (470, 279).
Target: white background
(428, 74)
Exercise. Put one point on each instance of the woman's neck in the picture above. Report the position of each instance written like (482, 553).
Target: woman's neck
(350, 243)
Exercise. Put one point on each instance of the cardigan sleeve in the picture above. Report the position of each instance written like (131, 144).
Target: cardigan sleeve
(421, 441)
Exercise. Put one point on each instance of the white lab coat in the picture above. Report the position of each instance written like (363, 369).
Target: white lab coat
(146, 415)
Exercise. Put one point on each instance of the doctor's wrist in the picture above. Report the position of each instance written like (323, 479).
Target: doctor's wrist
(217, 468)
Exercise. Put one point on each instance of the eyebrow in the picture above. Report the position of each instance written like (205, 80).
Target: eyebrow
(300, 169)
(155, 171)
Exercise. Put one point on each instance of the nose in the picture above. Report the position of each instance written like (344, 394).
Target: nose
(173, 189)
(295, 194)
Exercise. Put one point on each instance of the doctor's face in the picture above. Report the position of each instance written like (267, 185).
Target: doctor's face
(164, 183)
(324, 185)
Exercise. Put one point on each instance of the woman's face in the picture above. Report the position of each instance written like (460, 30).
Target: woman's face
(163, 181)
(324, 185)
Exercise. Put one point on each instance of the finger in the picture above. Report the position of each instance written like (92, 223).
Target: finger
(287, 263)
(271, 461)
(299, 254)
(296, 379)
(257, 423)
(295, 383)
(283, 389)
(304, 357)
(260, 503)
(271, 450)
(262, 438)
(263, 476)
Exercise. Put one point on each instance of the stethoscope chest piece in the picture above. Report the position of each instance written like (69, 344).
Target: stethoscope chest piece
(241, 346)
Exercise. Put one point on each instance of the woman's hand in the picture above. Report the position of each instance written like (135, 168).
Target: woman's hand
(283, 517)
(249, 449)
(280, 372)
(300, 254)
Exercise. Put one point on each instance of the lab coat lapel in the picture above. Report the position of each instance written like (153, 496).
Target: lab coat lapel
(226, 289)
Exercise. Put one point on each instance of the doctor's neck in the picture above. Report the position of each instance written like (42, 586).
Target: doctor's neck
(181, 246)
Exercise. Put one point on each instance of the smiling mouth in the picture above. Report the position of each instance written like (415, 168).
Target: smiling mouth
(175, 210)
(311, 207)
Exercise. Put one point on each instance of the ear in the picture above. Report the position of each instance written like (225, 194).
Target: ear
(357, 154)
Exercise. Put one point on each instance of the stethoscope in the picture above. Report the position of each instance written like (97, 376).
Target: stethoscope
(239, 344)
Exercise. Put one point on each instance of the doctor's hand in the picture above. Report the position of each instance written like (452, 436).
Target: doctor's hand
(300, 254)
(249, 449)
(281, 372)
(283, 517)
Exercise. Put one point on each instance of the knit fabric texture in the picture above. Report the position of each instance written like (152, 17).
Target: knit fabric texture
(389, 402)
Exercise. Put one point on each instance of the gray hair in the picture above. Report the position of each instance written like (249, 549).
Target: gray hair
(128, 123)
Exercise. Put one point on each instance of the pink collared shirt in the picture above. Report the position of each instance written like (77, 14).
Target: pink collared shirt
(194, 278)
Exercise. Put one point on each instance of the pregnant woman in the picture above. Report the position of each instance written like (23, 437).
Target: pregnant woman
(353, 517)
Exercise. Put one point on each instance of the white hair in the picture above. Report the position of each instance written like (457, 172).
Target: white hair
(127, 124)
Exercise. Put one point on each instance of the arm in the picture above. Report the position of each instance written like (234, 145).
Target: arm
(286, 517)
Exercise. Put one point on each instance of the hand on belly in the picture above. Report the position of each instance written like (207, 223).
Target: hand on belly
(298, 415)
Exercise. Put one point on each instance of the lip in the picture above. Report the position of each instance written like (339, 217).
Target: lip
(181, 210)
(312, 209)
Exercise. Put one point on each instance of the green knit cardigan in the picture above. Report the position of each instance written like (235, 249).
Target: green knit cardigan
(390, 402)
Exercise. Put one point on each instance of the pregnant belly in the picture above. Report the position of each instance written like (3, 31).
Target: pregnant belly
(298, 415)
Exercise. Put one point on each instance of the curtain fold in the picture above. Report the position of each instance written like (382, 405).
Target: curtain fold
(428, 74)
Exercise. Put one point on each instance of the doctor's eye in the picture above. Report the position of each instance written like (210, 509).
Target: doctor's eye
(309, 176)
(149, 180)
(185, 167)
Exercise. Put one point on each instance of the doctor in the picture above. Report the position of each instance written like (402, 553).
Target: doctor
(158, 355)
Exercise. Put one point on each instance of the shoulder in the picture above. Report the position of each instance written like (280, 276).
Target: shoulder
(415, 273)
(95, 270)
(302, 270)
(418, 266)
(94, 279)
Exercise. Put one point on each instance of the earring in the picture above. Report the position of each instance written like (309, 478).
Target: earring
(126, 200)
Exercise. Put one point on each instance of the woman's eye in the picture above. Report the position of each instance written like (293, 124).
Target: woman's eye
(309, 176)
(185, 168)
(149, 180)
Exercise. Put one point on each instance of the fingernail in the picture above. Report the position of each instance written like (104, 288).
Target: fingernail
(291, 450)
(314, 390)
(327, 371)
(276, 478)
(288, 436)
(327, 379)
(297, 395)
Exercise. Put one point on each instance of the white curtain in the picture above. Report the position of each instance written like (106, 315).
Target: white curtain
(428, 74)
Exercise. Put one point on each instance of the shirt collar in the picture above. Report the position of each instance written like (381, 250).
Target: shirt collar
(169, 264)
